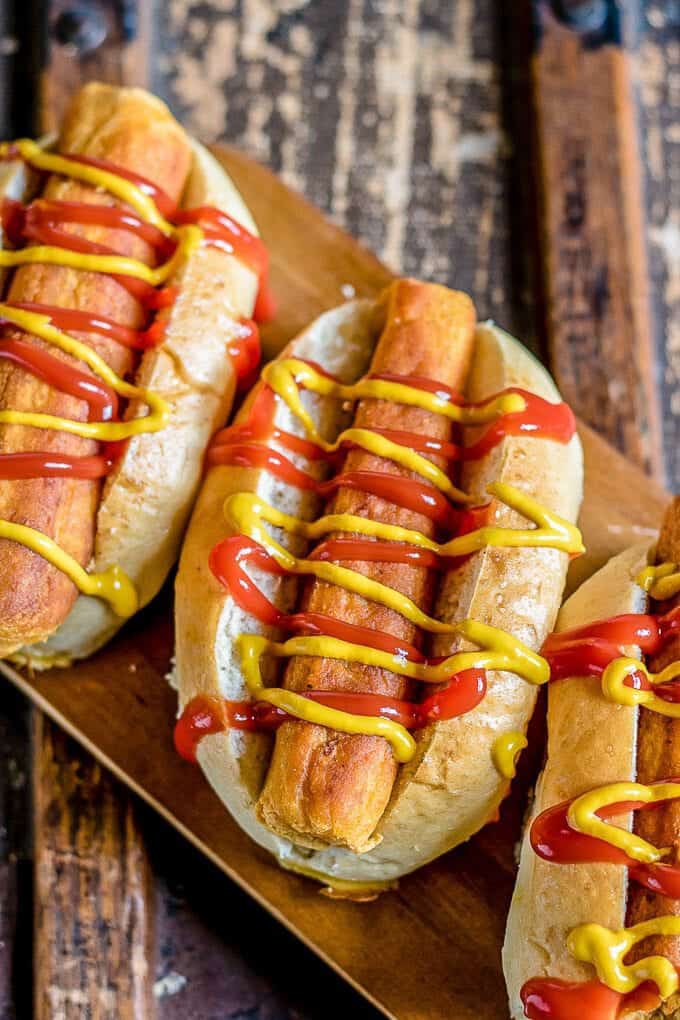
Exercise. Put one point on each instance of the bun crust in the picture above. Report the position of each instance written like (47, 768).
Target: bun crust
(146, 502)
(590, 743)
(436, 804)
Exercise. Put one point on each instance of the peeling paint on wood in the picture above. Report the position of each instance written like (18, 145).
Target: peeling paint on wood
(657, 68)
(386, 114)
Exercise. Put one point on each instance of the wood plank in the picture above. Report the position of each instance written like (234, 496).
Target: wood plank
(94, 928)
(93, 42)
(453, 910)
(655, 70)
(595, 267)
(387, 116)
(20, 40)
(208, 966)
(15, 859)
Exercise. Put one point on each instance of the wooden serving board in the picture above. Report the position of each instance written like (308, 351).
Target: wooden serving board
(432, 948)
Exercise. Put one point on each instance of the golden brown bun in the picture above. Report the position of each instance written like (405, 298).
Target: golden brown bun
(451, 788)
(591, 742)
(135, 131)
(322, 786)
(146, 503)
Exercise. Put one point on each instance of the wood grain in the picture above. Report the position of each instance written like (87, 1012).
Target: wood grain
(453, 910)
(15, 860)
(387, 116)
(655, 68)
(94, 928)
(600, 332)
(94, 46)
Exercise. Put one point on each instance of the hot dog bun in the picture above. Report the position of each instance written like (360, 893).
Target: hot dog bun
(591, 742)
(451, 787)
(146, 500)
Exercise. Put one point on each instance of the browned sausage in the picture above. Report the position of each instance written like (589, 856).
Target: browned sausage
(135, 131)
(329, 787)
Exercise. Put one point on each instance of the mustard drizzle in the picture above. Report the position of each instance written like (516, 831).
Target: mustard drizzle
(288, 376)
(112, 585)
(615, 688)
(247, 514)
(606, 948)
(582, 816)
(497, 651)
(505, 750)
(660, 581)
(602, 947)
(246, 511)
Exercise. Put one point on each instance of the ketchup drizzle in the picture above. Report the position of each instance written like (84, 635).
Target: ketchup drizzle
(587, 651)
(249, 444)
(204, 715)
(41, 222)
(553, 839)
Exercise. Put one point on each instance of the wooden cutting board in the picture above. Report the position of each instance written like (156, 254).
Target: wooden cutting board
(432, 948)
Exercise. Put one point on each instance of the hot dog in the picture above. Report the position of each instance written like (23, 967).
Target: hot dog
(130, 286)
(427, 333)
(594, 924)
(412, 644)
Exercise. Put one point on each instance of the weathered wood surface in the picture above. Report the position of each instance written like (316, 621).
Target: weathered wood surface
(656, 68)
(592, 230)
(407, 121)
(93, 922)
(15, 858)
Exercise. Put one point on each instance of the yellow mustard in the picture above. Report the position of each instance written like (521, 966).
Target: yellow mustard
(51, 162)
(246, 512)
(615, 688)
(583, 817)
(660, 581)
(188, 238)
(112, 585)
(505, 750)
(606, 950)
(288, 376)
(39, 325)
(496, 651)
(341, 888)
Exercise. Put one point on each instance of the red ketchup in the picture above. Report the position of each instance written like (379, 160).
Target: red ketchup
(587, 651)
(249, 444)
(553, 839)
(553, 999)
(42, 222)
(205, 715)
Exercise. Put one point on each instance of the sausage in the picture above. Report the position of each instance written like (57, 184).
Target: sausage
(132, 130)
(323, 786)
(658, 758)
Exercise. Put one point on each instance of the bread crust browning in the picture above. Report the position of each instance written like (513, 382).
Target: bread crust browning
(134, 130)
(146, 501)
(437, 803)
(658, 758)
(328, 787)
(590, 743)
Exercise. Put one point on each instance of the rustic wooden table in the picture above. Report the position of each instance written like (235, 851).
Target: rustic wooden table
(460, 139)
